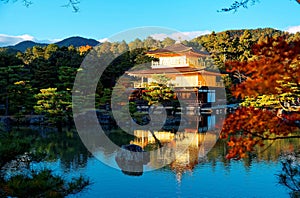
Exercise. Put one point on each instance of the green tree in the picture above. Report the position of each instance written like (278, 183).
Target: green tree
(114, 48)
(149, 42)
(66, 56)
(15, 91)
(7, 59)
(27, 57)
(45, 74)
(245, 45)
(66, 77)
(158, 92)
(105, 48)
(168, 41)
(38, 52)
(34, 147)
(137, 43)
(106, 96)
(21, 98)
(56, 105)
(50, 49)
(140, 59)
(122, 47)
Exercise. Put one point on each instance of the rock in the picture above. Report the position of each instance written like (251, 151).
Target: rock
(36, 120)
(131, 159)
(7, 122)
(132, 147)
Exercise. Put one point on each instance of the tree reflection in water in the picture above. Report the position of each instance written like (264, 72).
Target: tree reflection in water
(199, 143)
(131, 159)
(183, 150)
(23, 153)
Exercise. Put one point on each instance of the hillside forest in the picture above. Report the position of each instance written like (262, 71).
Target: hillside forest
(262, 66)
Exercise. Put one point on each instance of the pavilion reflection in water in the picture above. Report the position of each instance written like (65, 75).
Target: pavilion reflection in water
(184, 149)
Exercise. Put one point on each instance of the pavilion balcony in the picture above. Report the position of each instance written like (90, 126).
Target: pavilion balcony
(190, 84)
(157, 64)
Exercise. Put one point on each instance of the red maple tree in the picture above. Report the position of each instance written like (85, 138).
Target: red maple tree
(270, 87)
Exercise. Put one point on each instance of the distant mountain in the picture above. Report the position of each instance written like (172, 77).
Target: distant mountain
(75, 41)
(22, 46)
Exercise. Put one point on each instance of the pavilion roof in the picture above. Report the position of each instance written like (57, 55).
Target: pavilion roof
(177, 49)
(171, 70)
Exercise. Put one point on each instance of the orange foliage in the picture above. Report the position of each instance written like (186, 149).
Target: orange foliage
(84, 49)
(270, 69)
(249, 126)
(276, 63)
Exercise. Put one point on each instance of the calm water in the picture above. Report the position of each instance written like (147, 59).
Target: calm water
(188, 176)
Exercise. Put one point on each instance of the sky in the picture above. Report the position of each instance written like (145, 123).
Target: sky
(49, 21)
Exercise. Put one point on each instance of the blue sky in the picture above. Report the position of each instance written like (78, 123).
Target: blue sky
(98, 19)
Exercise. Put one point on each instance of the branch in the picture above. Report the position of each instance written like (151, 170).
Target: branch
(26, 3)
(156, 139)
(242, 3)
(73, 4)
(70, 3)
(290, 172)
(237, 4)
(254, 134)
(282, 137)
(268, 146)
(269, 138)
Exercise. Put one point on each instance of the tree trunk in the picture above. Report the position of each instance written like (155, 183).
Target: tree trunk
(6, 104)
(59, 126)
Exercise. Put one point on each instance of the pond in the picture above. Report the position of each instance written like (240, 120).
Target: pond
(195, 171)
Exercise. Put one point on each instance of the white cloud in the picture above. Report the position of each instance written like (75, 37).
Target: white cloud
(103, 40)
(51, 41)
(293, 29)
(181, 35)
(6, 40)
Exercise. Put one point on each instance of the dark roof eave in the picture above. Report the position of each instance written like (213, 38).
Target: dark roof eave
(183, 70)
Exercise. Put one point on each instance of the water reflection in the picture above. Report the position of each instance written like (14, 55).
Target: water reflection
(67, 151)
(182, 150)
(131, 163)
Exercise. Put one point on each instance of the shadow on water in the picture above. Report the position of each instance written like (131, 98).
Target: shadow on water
(182, 150)
(131, 159)
(42, 145)
(186, 149)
